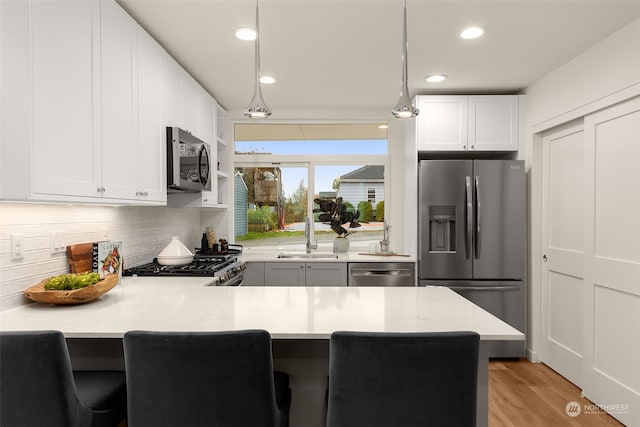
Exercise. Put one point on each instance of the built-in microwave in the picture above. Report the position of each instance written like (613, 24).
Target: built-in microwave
(188, 162)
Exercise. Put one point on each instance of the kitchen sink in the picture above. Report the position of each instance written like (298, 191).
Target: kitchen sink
(307, 256)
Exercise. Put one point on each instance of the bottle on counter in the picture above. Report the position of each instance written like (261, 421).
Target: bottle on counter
(204, 243)
(211, 236)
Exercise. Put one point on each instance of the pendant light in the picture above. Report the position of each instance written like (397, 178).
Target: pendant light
(257, 108)
(404, 109)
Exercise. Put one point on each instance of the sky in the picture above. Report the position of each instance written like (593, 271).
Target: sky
(291, 176)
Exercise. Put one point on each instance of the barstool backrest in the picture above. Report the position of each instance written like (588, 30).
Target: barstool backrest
(403, 379)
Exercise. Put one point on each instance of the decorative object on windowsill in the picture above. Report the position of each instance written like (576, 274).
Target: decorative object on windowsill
(341, 244)
(404, 109)
(257, 108)
(335, 214)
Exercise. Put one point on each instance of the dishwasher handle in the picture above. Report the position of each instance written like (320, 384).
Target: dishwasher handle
(381, 272)
(484, 288)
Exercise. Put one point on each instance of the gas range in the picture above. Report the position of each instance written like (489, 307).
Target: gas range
(226, 269)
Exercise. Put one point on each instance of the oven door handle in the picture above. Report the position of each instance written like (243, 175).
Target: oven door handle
(235, 281)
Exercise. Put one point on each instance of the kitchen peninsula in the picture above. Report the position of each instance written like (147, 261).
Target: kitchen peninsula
(300, 320)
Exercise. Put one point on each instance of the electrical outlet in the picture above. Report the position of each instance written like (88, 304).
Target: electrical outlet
(58, 243)
(17, 246)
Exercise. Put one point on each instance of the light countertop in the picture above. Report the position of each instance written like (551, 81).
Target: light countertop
(186, 304)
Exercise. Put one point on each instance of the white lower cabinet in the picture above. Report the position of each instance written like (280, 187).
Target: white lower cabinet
(304, 273)
(254, 274)
(326, 274)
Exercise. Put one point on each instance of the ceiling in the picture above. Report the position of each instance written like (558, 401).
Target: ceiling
(345, 55)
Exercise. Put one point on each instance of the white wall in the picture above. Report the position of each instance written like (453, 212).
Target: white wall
(144, 231)
(600, 76)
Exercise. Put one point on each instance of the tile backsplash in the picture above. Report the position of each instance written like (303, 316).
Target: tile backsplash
(144, 231)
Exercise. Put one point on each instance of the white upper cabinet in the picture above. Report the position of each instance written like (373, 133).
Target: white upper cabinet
(118, 101)
(442, 123)
(207, 132)
(65, 147)
(172, 90)
(85, 94)
(189, 99)
(493, 123)
(152, 136)
(467, 123)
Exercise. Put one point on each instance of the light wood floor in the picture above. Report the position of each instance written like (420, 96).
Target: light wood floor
(525, 394)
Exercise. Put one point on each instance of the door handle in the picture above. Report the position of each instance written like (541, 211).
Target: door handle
(469, 205)
(478, 219)
(544, 258)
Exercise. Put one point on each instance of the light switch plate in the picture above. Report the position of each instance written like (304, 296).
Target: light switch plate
(58, 243)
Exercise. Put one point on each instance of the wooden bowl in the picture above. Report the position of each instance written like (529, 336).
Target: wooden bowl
(76, 296)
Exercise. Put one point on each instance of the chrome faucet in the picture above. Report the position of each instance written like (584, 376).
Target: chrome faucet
(307, 235)
(384, 243)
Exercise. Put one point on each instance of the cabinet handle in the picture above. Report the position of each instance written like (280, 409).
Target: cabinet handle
(205, 200)
(473, 147)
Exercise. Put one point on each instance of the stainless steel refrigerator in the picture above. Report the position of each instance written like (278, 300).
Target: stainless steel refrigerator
(472, 236)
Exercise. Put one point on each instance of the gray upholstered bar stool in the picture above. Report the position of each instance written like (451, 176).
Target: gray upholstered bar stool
(204, 379)
(403, 379)
(39, 387)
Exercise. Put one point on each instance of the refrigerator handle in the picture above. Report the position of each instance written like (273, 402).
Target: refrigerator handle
(478, 218)
(469, 214)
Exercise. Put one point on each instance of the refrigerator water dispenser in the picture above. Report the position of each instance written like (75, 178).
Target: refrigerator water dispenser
(442, 228)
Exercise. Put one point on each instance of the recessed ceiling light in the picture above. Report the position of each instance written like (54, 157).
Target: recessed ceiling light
(435, 78)
(246, 34)
(472, 32)
(267, 80)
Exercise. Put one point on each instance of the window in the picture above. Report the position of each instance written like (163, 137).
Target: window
(371, 195)
(280, 180)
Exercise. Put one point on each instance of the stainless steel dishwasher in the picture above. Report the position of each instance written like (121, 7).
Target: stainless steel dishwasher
(382, 274)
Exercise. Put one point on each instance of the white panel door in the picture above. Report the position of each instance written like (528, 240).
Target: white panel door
(442, 123)
(284, 273)
(493, 123)
(152, 135)
(207, 132)
(563, 246)
(326, 274)
(118, 53)
(66, 156)
(612, 260)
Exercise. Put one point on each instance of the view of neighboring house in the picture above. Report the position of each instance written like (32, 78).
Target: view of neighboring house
(366, 183)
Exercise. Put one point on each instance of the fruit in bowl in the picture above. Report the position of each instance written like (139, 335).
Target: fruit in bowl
(60, 293)
(67, 282)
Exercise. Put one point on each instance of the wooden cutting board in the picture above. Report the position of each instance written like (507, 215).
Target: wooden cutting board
(79, 257)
